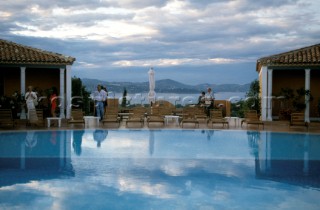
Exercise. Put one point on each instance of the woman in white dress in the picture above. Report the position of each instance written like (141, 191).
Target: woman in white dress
(31, 98)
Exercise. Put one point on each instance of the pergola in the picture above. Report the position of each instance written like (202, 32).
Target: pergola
(296, 68)
(22, 65)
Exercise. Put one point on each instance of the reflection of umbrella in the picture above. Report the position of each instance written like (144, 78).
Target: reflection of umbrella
(99, 136)
(151, 142)
(152, 84)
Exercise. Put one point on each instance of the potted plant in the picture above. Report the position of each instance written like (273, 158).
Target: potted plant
(295, 100)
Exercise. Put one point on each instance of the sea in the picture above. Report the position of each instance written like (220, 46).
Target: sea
(177, 98)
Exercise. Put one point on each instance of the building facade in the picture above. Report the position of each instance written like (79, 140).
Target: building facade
(21, 66)
(297, 69)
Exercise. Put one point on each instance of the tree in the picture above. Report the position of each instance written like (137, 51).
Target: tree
(124, 98)
(80, 97)
(253, 99)
(251, 102)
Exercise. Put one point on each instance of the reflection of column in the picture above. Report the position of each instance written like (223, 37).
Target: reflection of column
(268, 143)
(306, 155)
(265, 152)
(62, 104)
(68, 148)
(269, 99)
(23, 155)
(62, 145)
(307, 87)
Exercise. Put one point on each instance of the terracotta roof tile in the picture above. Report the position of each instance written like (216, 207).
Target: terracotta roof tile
(304, 56)
(13, 53)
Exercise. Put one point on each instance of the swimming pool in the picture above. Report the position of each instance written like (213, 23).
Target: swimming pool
(159, 169)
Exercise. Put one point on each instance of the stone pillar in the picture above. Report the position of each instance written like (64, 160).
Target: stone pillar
(263, 78)
(22, 80)
(62, 95)
(68, 90)
(269, 99)
(23, 90)
(307, 87)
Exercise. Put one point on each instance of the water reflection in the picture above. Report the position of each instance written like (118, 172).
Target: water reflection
(294, 159)
(39, 152)
(209, 133)
(99, 136)
(151, 169)
(77, 141)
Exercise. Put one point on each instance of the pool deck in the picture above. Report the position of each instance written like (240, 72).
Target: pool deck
(277, 126)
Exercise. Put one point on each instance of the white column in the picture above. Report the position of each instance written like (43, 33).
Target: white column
(263, 78)
(68, 90)
(62, 95)
(23, 90)
(23, 80)
(269, 100)
(307, 87)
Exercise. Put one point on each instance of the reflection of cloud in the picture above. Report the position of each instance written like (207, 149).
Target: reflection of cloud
(139, 186)
(220, 195)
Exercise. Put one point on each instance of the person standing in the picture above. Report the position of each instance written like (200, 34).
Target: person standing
(201, 99)
(100, 97)
(53, 101)
(106, 101)
(31, 102)
(209, 101)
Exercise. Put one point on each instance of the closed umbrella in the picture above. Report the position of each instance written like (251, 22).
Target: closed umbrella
(152, 93)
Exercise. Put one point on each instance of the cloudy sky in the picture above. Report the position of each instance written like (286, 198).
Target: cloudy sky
(191, 41)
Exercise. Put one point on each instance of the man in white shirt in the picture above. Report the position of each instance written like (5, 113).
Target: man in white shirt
(209, 100)
(100, 97)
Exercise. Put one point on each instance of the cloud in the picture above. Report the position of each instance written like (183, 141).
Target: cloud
(109, 34)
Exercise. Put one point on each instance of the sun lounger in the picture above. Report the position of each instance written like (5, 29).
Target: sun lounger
(188, 116)
(137, 116)
(216, 117)
(6, 118)
(251, 117)
(111, 115)
(111, 118)
(76, 117)
(297, 119)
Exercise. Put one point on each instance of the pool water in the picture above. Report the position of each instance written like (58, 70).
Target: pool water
(159, 169)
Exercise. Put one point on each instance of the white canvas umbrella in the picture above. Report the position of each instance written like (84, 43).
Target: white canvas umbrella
(151, 94)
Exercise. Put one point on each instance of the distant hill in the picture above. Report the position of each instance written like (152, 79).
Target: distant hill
(162, 86)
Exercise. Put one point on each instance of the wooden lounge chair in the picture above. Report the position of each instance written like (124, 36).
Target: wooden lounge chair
(251, 117)
(6, 118)
(200, 114)
(189, 116)
(158, 115)
(137, 116)
(111, 116)
(297, 119)
(216, 117)
(76, 117)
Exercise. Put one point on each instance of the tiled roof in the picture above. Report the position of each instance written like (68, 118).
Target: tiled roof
(13, 53)
(304, 56)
